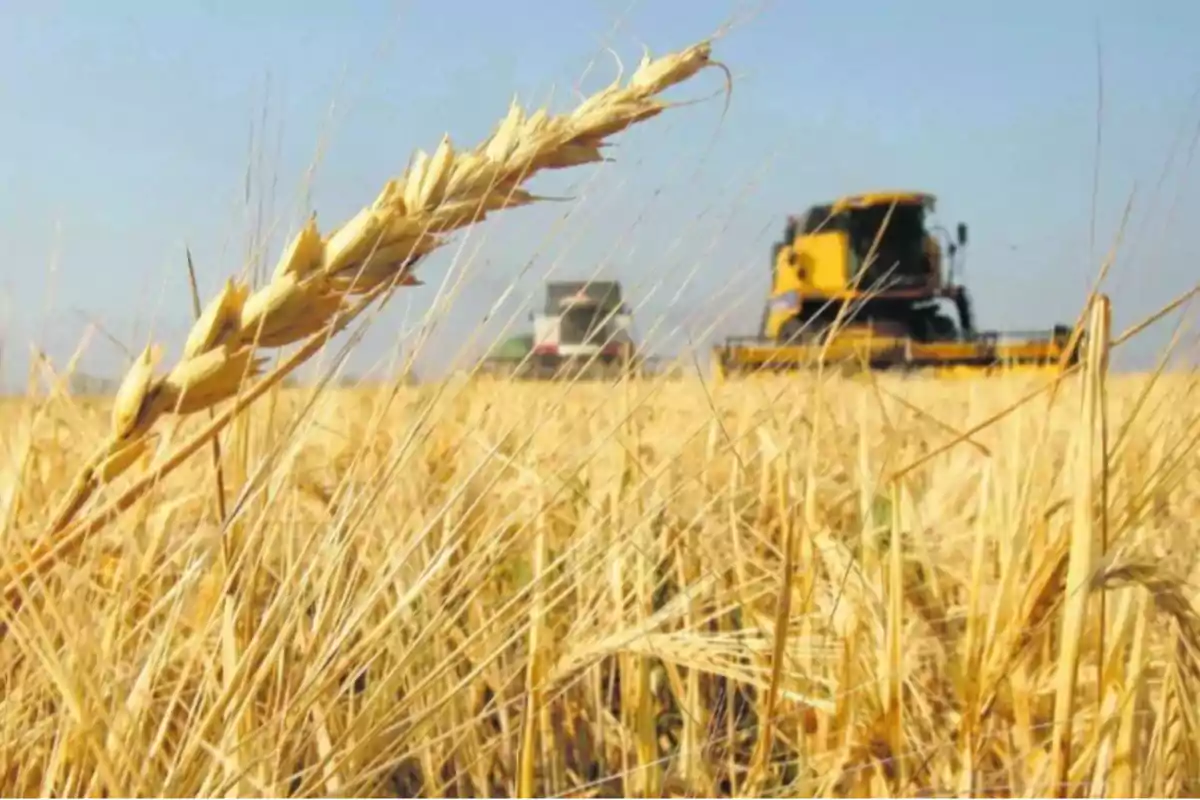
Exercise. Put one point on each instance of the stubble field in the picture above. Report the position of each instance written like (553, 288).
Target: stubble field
(664, 587)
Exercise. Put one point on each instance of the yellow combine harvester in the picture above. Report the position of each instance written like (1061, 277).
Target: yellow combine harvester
(858, 284)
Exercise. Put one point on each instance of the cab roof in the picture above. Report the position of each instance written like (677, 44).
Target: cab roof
(884, 198)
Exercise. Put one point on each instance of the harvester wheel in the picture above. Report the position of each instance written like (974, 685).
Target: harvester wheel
(939, 327)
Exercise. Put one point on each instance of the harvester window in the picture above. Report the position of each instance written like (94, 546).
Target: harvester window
(821, 219)
(900, 254)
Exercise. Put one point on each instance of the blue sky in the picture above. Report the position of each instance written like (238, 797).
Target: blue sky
(130, 126)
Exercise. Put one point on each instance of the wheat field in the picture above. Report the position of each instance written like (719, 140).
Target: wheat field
(220, 585)
(487, 588)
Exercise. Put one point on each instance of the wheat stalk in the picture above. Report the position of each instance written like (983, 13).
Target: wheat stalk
(1081, 555)
(376, 250)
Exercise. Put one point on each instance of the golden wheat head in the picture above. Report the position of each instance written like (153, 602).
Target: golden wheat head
(376, 250)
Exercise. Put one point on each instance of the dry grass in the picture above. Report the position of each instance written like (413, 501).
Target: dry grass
(464, 590)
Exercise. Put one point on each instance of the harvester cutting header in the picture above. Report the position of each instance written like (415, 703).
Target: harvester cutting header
(863, 279)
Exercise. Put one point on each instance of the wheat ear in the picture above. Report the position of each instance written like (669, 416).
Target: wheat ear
(377, 249)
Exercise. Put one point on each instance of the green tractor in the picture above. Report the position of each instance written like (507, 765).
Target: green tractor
(509, 358)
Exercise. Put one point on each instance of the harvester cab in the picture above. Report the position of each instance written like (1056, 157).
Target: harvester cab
(866, 277)
(870, 258)
(582, 319)
(583, 330)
